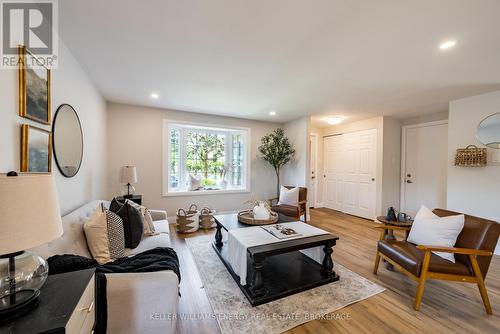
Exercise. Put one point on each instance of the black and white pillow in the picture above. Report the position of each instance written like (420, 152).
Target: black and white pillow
(116, 235)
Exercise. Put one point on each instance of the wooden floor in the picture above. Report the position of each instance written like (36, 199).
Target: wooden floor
(446, 307)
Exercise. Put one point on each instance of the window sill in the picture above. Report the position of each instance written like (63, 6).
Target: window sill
(205, 192)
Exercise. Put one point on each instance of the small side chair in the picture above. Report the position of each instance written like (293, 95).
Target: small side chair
(291, 210)
(473, 252)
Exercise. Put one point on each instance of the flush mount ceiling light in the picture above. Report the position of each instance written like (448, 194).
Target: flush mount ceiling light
(448, 44)
(154, 96)
(272, 113)
(334, 120)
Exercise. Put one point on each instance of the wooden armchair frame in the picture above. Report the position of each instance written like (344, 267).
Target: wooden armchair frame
(425, 274)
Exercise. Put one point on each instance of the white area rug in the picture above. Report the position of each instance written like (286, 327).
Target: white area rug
(235, 314)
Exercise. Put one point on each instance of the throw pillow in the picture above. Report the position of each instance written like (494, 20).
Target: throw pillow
(431, 230)
(133, 224)
(289, 196)
(105, 237)
(149, 228)
(114, 206)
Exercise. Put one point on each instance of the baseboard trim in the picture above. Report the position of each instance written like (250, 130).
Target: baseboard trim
(319, 205)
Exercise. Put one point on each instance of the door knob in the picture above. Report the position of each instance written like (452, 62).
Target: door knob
(373, 179)
(409, 181)
(313, 177)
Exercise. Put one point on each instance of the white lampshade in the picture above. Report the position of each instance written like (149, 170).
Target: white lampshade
(128, 174)
(29, 212)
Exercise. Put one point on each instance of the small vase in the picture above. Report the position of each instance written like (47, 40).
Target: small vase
(223, 184)
(260, 212)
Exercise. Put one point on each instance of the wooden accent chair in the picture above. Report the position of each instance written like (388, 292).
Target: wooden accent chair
(473, 252)
(291, 210)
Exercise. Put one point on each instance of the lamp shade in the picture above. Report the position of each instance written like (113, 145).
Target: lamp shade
(128, 174)
(30, 214)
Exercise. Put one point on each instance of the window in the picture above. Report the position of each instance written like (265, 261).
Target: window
(215, 158)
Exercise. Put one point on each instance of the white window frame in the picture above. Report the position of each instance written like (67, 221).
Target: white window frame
(166, 152)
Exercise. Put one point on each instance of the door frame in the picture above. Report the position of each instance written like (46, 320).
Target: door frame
(404, 130)
(314, 134)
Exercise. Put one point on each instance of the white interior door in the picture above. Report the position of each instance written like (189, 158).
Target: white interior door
(350, 169)
(424, 172)
(313, 142)
(359, 173)
(332, 172)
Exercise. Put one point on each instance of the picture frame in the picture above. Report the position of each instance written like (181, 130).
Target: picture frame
(36, 150)
(34, 88)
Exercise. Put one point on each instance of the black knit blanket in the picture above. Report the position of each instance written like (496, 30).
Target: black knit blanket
(157, 259)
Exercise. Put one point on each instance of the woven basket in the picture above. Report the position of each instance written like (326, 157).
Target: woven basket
(207, 218)
(246, 217)
(471, 156)
(188, 221)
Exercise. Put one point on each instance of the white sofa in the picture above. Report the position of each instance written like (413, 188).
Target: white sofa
(137, 302)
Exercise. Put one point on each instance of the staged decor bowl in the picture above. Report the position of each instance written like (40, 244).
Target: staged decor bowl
(246, 217)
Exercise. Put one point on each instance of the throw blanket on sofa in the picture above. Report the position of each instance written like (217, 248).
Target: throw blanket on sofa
(157, 259)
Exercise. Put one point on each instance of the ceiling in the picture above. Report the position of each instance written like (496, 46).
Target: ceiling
(244, 58)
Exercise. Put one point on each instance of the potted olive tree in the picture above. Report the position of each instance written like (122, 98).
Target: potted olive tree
(276, 149)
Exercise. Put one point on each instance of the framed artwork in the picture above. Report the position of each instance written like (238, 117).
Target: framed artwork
(36, 150)
(34, 88)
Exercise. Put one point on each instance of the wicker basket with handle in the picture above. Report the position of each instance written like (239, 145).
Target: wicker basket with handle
(207, 218)
(188, 221)
(471, 156)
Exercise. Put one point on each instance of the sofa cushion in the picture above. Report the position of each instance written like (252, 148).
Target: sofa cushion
(409, 257)
(133, 224)
(162, 239)
(115, 205)
(105, 238)
(287, 210)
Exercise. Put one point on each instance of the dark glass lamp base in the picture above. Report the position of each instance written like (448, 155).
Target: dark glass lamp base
(25, 301)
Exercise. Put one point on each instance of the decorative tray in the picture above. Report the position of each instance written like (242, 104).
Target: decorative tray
(246, 217)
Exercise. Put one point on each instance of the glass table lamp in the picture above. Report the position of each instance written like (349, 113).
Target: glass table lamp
(128, 176)
(30, 217)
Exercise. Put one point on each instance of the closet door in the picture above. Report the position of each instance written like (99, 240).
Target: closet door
(349, 173)
(359, 174)
(332, 172)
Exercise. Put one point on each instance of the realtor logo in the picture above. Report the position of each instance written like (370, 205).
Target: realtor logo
(32, 24)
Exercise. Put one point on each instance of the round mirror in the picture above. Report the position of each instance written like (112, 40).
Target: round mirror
(67, 140)
(488, 131)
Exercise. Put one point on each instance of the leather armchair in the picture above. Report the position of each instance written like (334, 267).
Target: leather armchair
(473, 252)
(291, 210)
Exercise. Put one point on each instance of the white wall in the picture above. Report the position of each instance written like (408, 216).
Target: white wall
(391, 164)
(71, 85)
(135, 138)
(296, 172)
(475, 191)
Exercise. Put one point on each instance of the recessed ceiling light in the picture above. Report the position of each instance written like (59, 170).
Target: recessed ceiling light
(334, 120)
(154, 96)
(448, 44)
(272, 113)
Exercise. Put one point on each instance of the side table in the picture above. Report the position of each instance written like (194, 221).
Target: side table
(66, 305)
(390, 233)
(134, 198)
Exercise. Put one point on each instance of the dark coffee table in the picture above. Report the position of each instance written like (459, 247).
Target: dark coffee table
(279, 269)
